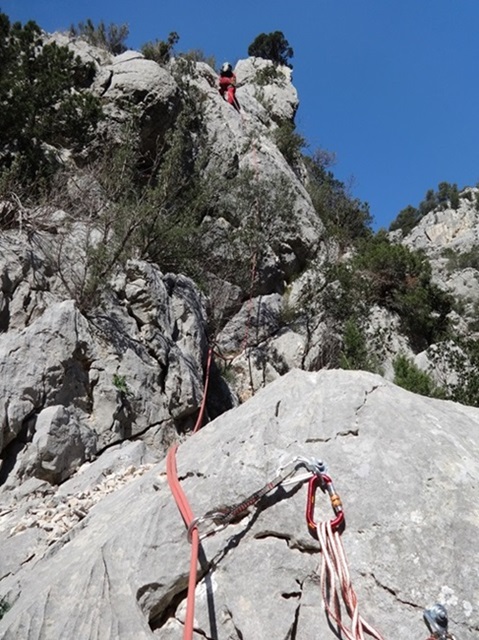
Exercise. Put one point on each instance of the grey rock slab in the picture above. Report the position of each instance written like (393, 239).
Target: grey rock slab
(278, 94)
(60, 444)
(257, 320)
(135, 78)
(37, 365)
(405, 467)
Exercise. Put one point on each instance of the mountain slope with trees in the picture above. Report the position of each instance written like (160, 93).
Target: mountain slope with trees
(143, 182)
(163, 258)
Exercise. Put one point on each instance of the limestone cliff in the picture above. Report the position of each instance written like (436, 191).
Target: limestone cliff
(104, 362)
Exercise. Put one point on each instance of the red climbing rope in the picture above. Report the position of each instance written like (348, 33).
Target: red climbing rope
(187, 515)
(199, 419)
(185, 509)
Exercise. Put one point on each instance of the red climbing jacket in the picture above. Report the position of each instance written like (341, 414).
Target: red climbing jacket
(228, 86)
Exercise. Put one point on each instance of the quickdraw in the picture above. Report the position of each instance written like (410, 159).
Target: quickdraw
(326, 484)
(220, 518)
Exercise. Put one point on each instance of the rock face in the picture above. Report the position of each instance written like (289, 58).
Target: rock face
(443, 233)
(91, 396)
(74, 382)
(448, 228)
(72, 385)
(270, 85)
(405, 467)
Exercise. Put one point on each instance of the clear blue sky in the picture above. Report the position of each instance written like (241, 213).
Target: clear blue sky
(391, 86)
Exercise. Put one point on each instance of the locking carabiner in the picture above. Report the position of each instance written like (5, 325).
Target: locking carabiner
(326, 484)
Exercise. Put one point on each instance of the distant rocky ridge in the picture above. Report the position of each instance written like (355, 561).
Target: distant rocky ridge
(455, 231)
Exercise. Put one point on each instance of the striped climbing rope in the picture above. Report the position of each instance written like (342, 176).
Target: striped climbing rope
(336, 586)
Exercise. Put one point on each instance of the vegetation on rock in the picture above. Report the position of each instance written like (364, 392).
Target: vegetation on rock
(112, 38)
(45, 107)
(160, 50)
(164, 206)
(272, 46)
(447, 195)
(346, 218)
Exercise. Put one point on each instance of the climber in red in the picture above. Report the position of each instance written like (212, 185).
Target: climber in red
(227, 82)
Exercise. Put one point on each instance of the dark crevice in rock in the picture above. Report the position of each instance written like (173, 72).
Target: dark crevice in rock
(5, 314)
(28, 558)
(316, 440)
(191, 474)
(112, 330)
(293, 544)
(349, 432)
(367, 393)
(10, 453)
(391, 591)
(137, 436)
(138, 321)
(238, 631)
(167, 606)
(219, 398)
(203, 634)
(272, 534)
(106, 84)
(292, 633)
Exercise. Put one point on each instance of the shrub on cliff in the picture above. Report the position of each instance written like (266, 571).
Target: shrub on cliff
(160, 50)
(272, 46)
(345, 217)
(44, 107)
(393, 277)
(112, 37)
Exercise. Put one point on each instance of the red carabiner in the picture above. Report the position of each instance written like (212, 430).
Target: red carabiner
(326, 484)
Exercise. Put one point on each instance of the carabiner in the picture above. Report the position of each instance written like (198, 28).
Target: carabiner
(326, 484)
(215, 526)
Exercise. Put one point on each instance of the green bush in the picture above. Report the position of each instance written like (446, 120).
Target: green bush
(343, 296)
(112, 37)
(44, 107)
(355, 353)
(160, 50)
(461, 356)
(197, 55)
(147, 208)
(272, 46)
(465, 260)
(289, 142)
(269, 75)
(406, 220)
(393, 277)
(447, 195)
(408, 376)
(345, 217)
(400, 280)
